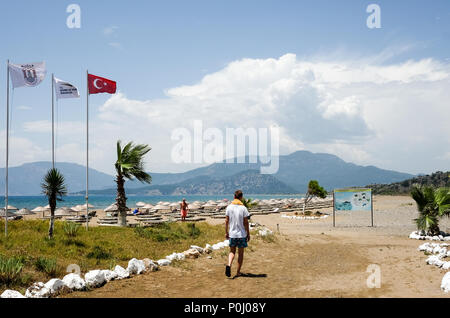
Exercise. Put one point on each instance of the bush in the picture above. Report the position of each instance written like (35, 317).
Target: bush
(10, 270)
(49, 266)
(99, 253)
(71, 229)
(165, 232)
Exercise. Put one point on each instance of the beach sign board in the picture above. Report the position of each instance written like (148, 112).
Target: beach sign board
(352, 199)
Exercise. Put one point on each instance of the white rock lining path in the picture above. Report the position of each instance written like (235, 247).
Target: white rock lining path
(97, 278)
(300, 217)
(439, 251)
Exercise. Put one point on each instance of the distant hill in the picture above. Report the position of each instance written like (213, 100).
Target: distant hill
(296, 170)
(26, 179)
(250, 181)
(437, 179)
(294, 174)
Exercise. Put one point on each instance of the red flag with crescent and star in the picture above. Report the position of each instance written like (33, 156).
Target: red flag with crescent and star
(99, 84)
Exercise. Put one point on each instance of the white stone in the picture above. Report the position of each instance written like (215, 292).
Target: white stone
(208, 249)
(37, 290)
(445, 284)
(54, 285)
(216, 247)
(95, 278)
(74, 281)
(191, 253)
(163, 262)
(121, 272)
(172, 257)
(265, 232)
(198, 248)
(446, 265)
(11, 294)
(150, 265)
(109, 275)
(423, 247)
(431, 260)
(136, 266)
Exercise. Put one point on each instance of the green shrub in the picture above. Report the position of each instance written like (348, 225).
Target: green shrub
(49, 266)
(165, 232)
(71, 229)
(10, 270)
(99, 253)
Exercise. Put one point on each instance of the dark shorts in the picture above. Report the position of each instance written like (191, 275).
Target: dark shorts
(238, 242)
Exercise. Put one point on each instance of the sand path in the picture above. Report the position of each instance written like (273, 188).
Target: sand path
(307, 259)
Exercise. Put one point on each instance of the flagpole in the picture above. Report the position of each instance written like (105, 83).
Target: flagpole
(53, 122)
(87, 149)
(7, 149)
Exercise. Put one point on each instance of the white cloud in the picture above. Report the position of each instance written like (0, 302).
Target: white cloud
(391, 115)
(110, 30)
(23, 107)
(363, 112)
(115, 45)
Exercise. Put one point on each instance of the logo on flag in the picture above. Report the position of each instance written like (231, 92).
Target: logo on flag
(65, 89)
(30, 75)
(99, 84)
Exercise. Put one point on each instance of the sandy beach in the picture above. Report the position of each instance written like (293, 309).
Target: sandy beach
(308, 258)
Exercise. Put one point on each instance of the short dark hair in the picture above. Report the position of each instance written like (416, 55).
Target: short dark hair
(238, 194)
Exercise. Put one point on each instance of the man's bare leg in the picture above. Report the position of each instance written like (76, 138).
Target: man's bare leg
(231, 255)
(240, 260)
(230, 260)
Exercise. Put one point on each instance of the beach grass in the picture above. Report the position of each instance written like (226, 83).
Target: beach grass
(29, 256)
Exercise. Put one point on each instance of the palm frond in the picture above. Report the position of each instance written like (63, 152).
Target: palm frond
(54, 184)
(130, 161)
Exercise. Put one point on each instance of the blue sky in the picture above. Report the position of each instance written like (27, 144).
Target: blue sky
(149, 47)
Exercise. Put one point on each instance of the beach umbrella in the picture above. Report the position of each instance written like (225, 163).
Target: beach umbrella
(112, 208)
(140, 204)
(38, 209)
(2, 213)
(63, 212)
(161, 207)
(148, 206)
(11, 208)
(25, 211)
(194, 206)
(222, 204)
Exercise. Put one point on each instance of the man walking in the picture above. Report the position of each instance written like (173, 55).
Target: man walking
(237, 231)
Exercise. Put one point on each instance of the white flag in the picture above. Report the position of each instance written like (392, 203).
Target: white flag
(30, 75)
(65, 90)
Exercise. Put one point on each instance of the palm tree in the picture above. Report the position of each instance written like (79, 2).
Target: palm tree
(129, 165)
(314, 190)
(54, 188)
(249, 203)
(432, 205)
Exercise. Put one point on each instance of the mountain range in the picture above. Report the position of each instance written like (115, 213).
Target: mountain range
(293, 176)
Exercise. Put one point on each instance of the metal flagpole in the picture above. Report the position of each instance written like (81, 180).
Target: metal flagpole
(7, 149)
(371, 205)
(53, 122)
(87, 149)
(334, 211)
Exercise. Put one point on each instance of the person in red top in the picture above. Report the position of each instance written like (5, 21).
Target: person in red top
(184, 209)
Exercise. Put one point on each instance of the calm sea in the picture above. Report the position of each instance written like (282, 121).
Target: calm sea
(101, 202)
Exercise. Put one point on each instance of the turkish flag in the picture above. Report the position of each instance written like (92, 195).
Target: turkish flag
(99, 84)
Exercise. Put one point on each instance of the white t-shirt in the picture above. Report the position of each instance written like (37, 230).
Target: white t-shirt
(236, 214)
